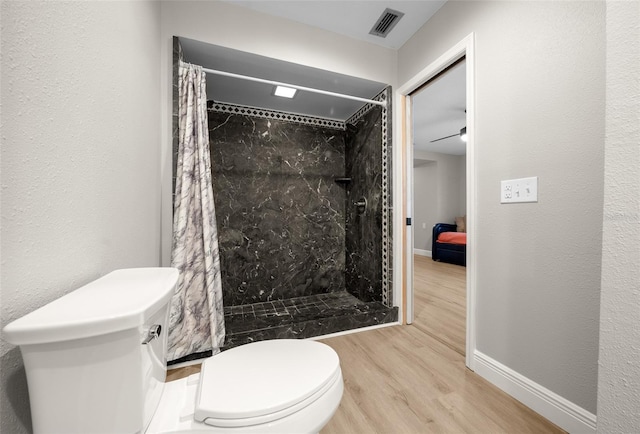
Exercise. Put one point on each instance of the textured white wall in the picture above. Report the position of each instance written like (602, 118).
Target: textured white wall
(80, 157)
(619, 370)
(540, 90)
(439, 194)
(243, 29)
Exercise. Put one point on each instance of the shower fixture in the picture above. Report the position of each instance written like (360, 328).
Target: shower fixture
(361, 205)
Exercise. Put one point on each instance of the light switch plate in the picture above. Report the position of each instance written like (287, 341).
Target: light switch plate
(519, 190)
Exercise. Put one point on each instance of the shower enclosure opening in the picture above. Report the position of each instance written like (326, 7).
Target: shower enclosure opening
(303, 202)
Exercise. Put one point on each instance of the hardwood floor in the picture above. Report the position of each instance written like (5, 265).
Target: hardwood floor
(176, 374)
(440, 298)
(401, 380)
(412, 379)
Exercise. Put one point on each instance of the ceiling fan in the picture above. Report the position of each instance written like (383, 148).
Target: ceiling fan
(462, 134)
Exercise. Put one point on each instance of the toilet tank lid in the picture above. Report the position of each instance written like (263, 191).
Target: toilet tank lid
(120, 300)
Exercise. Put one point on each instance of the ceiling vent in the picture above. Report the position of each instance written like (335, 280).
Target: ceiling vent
(386, 23)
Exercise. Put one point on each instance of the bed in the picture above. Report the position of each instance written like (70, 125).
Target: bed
(449, 245)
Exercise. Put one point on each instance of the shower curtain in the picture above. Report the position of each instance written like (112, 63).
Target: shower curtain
(196, 322)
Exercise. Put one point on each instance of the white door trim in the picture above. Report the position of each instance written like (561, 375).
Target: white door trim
(404, 172)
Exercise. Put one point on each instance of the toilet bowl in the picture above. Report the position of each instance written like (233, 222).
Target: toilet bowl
(95, 361)
(276, 386)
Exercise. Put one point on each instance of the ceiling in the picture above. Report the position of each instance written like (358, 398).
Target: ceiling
(260, 95)
(351, 18)
(438, 108)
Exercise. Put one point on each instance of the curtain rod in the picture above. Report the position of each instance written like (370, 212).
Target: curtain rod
(295, 86)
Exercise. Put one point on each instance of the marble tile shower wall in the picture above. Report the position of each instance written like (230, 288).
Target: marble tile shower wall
(281, 215)
(363, 229)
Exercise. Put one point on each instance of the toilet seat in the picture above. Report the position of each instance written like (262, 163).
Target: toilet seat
(283, 375)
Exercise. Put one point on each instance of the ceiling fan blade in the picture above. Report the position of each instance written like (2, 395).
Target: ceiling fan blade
(442, 138)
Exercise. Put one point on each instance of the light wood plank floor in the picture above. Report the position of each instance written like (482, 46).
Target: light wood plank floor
(440, 298)
(412, 379)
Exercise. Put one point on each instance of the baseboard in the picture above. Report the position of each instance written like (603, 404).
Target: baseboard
(351, 331)
(422, 252)
(557, 409)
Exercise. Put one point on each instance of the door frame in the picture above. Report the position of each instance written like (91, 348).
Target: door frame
(403, 186)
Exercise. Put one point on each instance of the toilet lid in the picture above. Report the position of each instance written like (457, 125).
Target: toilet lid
(263, 381)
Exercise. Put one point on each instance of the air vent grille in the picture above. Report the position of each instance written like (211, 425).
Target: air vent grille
(386, 22)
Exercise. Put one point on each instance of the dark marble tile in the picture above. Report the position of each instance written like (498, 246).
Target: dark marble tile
(280, 215)
(363, 275)
(313, 316)
(290, 238)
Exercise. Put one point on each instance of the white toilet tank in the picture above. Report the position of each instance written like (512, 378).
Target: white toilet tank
(87, 367)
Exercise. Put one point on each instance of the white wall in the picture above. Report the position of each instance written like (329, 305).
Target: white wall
(239, 28)
(540, 91)
(80, 157)
(439, 192)
(619, 373)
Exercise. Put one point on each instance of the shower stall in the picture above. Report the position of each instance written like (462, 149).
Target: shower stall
(303, 208)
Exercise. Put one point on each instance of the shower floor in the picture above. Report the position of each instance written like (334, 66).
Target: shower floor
(302, 317)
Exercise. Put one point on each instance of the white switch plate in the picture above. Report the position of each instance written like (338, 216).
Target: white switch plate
(519, 190)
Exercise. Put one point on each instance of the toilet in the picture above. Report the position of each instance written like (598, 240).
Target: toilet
(95, 361)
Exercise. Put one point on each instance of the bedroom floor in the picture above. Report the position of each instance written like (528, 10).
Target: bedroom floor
(441, 301)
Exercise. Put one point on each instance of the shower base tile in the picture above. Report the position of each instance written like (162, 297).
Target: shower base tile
(302, 317)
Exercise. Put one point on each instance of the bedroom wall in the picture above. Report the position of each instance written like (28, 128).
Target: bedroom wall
(439, 183)
(80, 158)
(537, 300)
(243, 29)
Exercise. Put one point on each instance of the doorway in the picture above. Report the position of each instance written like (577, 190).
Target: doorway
(438, 122)
(464, 49)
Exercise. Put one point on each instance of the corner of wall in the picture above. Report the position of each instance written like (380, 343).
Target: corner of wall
(557, 409)
(619, 357)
